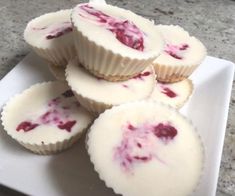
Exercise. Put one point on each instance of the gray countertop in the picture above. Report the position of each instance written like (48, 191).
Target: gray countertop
(212, 21)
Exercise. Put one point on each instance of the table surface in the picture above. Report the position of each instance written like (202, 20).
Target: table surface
(212, 21)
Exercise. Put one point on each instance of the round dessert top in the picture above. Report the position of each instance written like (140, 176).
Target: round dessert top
(50, 30)
(103, 91)
(180, 48)
(45, 113)
(146, 148)
(131, 35)
(173, 94)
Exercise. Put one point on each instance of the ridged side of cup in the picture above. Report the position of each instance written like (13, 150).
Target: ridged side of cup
(52, 148)
(170, 74)
(105, 63)
(90, 105)
(57, 56)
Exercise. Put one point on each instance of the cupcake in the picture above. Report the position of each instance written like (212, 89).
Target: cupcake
(146, 148)
(174, 94)
(96, 94)
(46, 118)
(181, 55)
(58, 72)
(114, 43)
(50, 36)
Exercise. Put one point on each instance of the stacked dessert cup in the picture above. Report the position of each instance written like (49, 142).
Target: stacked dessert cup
(129, 74)
(181, 55)
(117, 68)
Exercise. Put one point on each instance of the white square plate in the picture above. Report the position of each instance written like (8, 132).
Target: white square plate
(71, 173)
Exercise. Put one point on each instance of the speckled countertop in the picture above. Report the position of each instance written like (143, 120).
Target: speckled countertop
(212, 21)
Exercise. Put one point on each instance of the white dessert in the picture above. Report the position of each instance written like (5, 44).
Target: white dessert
(45, 117)
(146, 148)
(105, 24)
(181, 48)
(173, 94)
(46, 30)
(114, 43)
(181, 55)
(98, 91)
(50, 35)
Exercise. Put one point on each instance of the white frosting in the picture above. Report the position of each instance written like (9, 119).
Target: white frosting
(98, 33)
(113, 93)
(174, 37)
(33, 103)
(178, 92)
(39, 28)
(175, 167)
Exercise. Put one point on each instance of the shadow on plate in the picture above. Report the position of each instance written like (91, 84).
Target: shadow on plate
(6, 142)
(73, 173)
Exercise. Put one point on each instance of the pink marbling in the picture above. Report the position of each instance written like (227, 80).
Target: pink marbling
(138, 144)
(124, 30)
